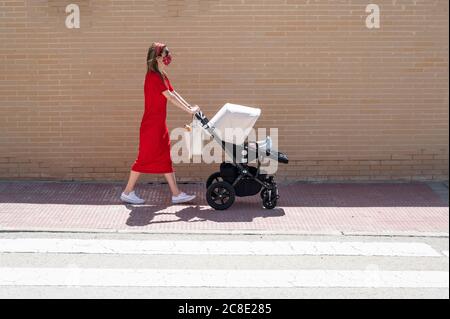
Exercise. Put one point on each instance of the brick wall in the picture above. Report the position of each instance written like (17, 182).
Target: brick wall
(350, 103)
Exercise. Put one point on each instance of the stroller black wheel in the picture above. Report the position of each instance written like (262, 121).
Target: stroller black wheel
(269, 203)
(263, 193)
(220, 195)
(214, 178)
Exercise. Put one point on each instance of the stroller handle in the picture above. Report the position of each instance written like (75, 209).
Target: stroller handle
(201, 117)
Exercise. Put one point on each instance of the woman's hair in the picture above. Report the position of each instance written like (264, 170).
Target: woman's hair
(156, 50)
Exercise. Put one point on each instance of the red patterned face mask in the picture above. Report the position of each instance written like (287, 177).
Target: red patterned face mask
(167, 59)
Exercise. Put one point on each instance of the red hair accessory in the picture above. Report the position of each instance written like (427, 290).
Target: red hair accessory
(158, 48)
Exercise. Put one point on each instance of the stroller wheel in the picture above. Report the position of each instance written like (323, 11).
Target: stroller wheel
(215, 177)
(269, 203)
(263, 193)
(220, 195)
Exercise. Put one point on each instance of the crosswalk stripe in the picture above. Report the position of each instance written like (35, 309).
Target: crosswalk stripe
(183, 247)
(221, 278)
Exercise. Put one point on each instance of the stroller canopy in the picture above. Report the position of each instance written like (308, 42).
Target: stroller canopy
(234, 122)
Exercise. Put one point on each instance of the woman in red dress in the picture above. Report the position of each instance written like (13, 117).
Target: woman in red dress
(154, 142)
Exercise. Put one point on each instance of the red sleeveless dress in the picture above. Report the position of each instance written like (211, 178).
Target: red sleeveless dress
(154, 142)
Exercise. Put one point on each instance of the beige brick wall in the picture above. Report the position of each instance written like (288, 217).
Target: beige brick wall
(350, 103)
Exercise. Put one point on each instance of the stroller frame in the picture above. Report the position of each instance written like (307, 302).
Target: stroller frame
(238, 178)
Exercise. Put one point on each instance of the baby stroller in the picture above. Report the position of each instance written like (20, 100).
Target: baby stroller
(238, 178)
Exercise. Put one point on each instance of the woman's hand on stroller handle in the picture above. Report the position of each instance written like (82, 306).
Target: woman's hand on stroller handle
(194, 109)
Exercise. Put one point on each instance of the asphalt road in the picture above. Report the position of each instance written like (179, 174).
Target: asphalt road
(62, 265)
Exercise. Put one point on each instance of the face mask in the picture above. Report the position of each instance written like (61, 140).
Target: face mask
(167, 59)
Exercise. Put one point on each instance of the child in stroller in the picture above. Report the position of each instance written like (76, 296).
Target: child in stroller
(238, 178)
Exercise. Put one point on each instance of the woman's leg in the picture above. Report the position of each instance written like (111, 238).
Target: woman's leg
(170, 177)
(131, 181)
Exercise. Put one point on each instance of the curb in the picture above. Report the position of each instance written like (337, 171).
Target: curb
(226, 232)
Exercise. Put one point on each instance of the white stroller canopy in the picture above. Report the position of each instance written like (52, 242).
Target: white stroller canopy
(234, 122)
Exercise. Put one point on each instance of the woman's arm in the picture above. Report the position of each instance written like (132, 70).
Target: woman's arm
(175, 99)
(194, 108)
(183, 100)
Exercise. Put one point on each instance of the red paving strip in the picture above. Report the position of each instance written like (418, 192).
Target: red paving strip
(411, 208)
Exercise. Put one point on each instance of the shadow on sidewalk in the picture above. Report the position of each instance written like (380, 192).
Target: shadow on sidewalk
(142, 216)
(387, 208)
(295, 195)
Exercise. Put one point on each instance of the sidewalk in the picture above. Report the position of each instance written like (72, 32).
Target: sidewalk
(412, 209)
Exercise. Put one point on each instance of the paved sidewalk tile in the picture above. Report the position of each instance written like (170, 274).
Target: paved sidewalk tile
(397, 208)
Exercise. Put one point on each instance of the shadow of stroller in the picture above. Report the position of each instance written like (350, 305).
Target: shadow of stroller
(244, 212)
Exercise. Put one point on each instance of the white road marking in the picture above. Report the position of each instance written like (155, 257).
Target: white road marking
(445, 252)
(220, 278)
(181, 247)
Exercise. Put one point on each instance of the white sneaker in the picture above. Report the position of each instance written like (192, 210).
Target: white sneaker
(131, 198)
(182, 198)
